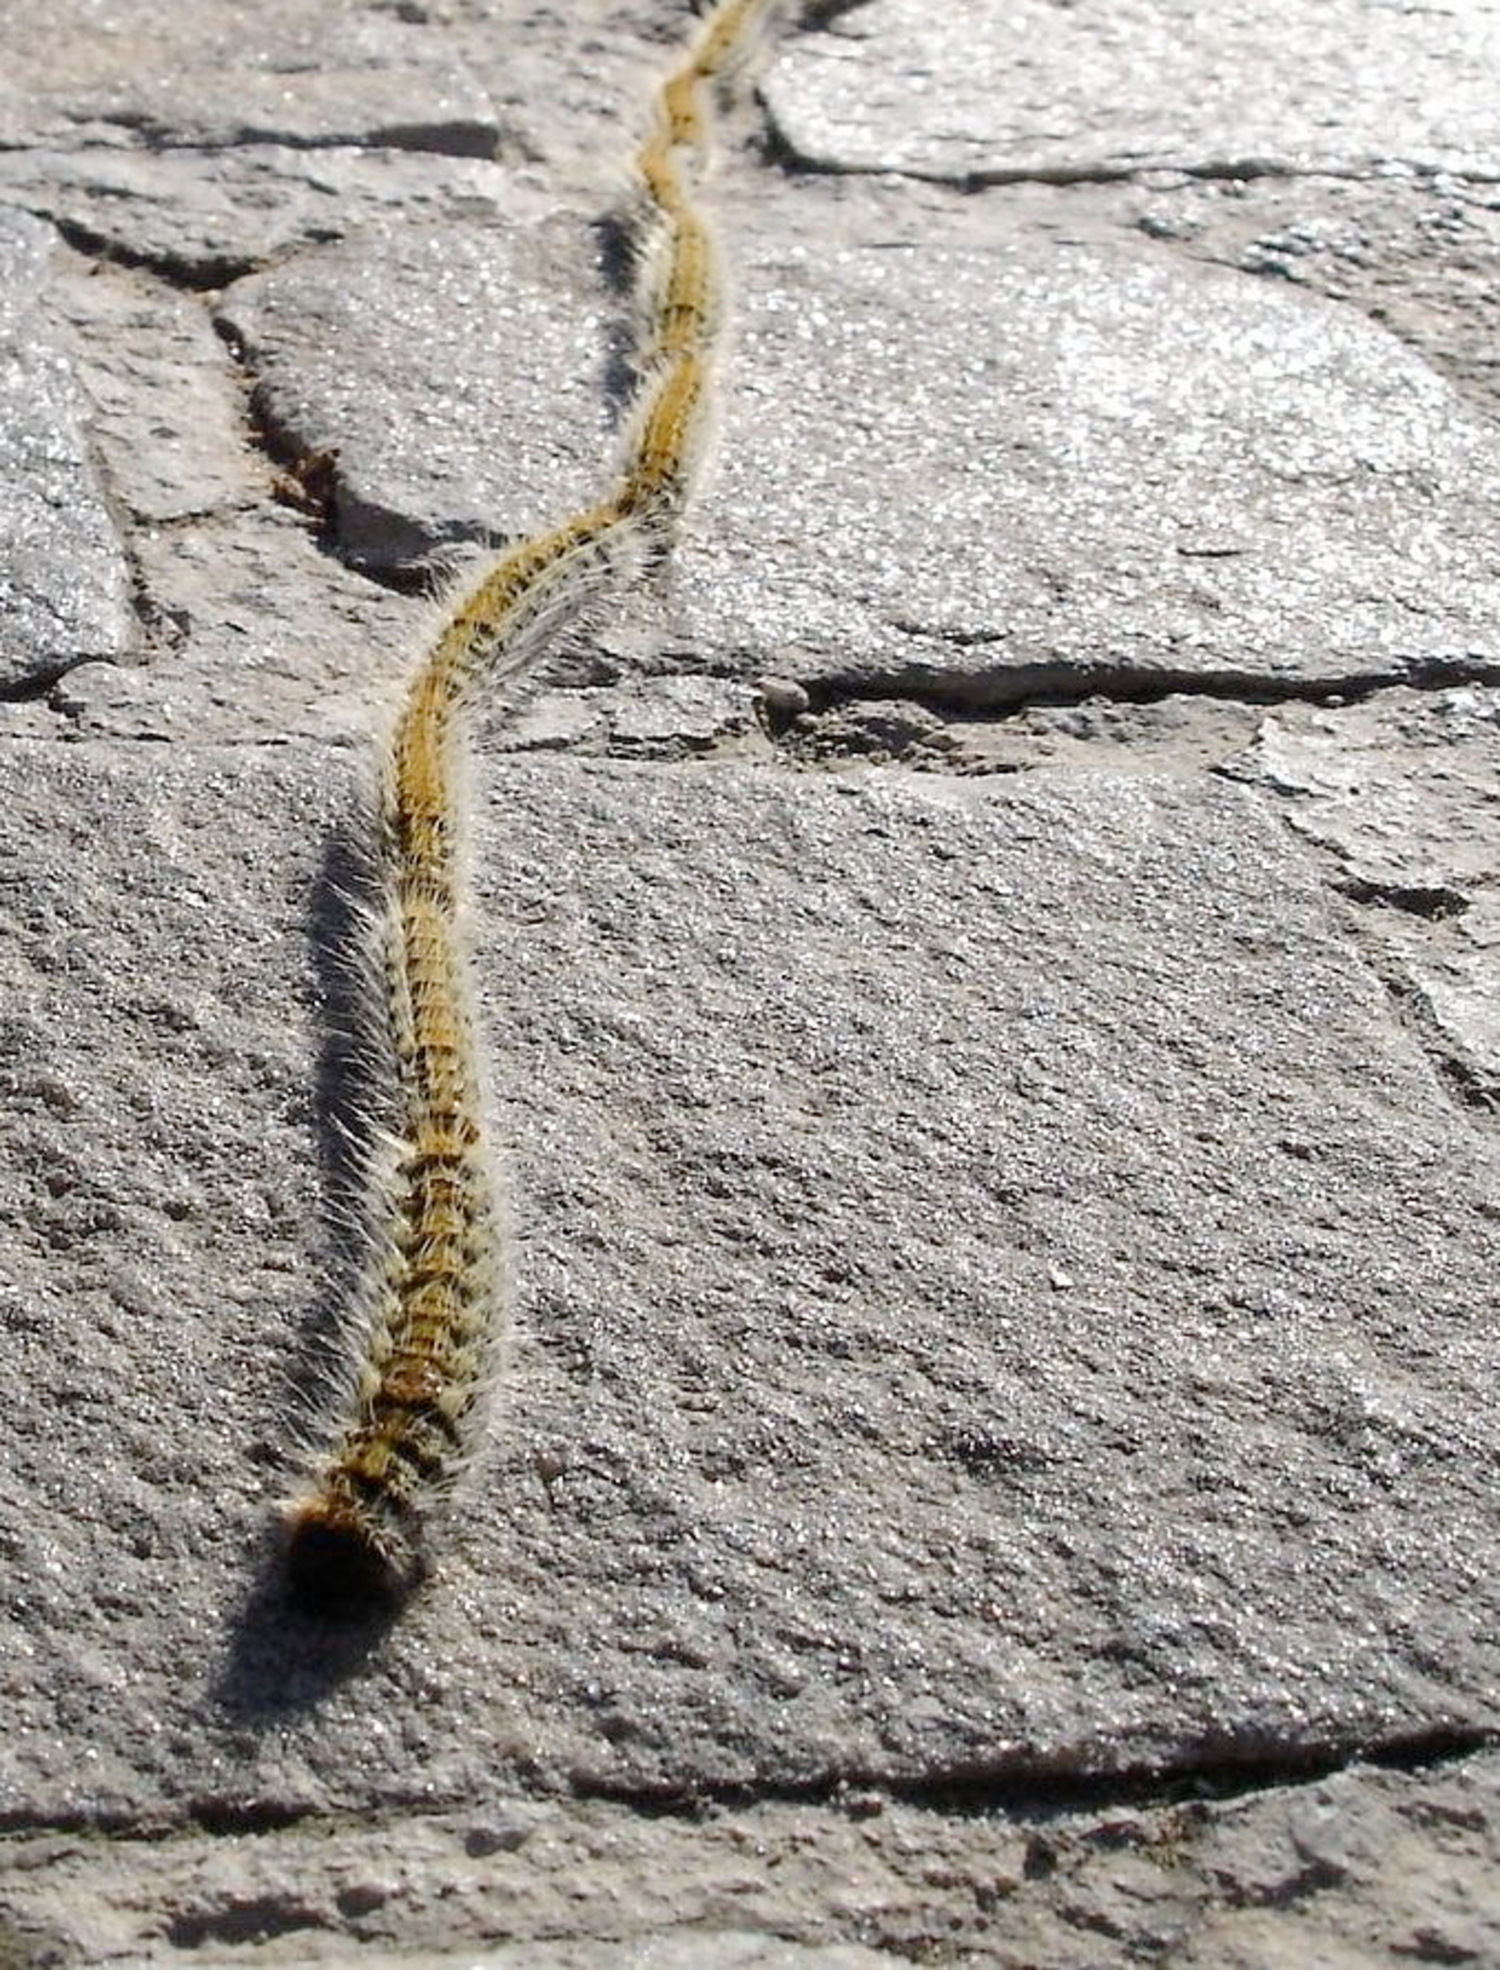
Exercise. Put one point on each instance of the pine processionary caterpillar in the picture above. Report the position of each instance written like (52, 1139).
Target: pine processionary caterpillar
(428, 1321)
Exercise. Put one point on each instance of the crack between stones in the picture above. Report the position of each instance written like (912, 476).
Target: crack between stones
(1015, 689)
(1237, 170)
(966, 1791)
(1467, 1082)
(1432, 902)
(782, 151)
(205, 276)
(157, 628)
(68, 734)
(37, 685)
(154, 138)
(979, 1791)
(308, 482)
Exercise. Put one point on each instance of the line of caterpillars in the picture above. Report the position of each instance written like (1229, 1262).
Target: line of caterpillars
(426, 1329)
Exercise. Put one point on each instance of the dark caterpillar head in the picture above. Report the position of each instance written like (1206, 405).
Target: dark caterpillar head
(344, 1558)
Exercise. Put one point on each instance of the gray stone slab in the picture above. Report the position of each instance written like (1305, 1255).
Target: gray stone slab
(642, 718)
(262, 637)
(997, 473)
(725, 1949)
(563, 88)
(1420, 254)
(209, 217)
(64, 590)
(999, 1293)
(458, 375)
(250, 628)
(255, 636)
(1364, 1868)
(220, 75)
(1402, 792)
(1180, 734)
(1082, 88)
(167, 405)
(987, 472)
(1402, 789)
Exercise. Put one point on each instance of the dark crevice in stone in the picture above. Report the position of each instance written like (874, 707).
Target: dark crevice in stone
(199, 275)
(1434, 903)
(1230, 1771)
(458, 139)
(1465, 1083)
(306, 482)
(309, 483)
(1225, 1772)
(817, 13)
(1015, 688)
(249, 1816)
(1469, 1085)
(1238, 170)
(37, 684)
(254, 1919)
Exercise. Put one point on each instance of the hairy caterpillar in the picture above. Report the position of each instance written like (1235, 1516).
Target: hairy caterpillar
(430, 1317)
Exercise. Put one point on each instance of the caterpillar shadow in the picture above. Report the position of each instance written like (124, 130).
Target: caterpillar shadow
(289, 1646)
(619, 251)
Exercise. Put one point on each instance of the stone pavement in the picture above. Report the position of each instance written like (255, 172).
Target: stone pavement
(997, 1461)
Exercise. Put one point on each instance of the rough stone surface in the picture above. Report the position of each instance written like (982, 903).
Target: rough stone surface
(1421, 255)
(1394, 787)
(1365, 1868)
(279, 640)
(218, 76)
(1164, 472)
(1090, 88)
(166, 415)
(64, 589)
(249, 629)
(462, 78)
(865, 1180)
(208, 218)
(460, 376)
(1179, 734)
(1405, 793)
(1004, 1252)
(643, 718)
(1400, 790)
(1310, 501)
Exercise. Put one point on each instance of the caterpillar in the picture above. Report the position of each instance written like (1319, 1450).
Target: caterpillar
(428, 1315)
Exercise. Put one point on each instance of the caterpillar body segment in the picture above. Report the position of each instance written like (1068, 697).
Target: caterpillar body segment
(727, 37)
(682, 293)
(427, 1342)
(661, 176)
(426, 1328)
(507, 616)
(670, 428)
(683, 115)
